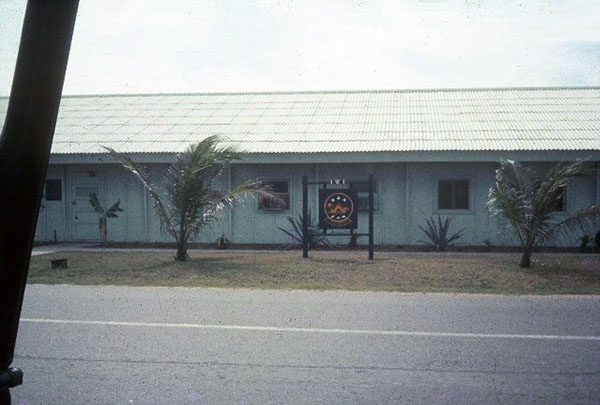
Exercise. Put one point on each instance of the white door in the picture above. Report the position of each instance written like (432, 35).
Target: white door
(85, 219)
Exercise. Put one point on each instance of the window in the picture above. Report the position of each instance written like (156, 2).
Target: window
(362, 192)
(53, 190)
(453, 195)
(279, 189)
(560, 200)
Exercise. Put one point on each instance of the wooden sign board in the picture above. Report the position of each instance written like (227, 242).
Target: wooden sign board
(338, 209)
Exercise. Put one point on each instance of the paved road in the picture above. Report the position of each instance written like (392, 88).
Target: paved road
(178, 345)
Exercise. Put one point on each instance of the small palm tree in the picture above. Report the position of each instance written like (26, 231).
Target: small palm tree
(189, 202)
(529, 202)
(104, 214)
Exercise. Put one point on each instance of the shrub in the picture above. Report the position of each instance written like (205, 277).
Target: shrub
(437, 233)
(315, 238)
(222, 242)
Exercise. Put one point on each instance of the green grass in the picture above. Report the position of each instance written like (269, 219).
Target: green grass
(414, 272)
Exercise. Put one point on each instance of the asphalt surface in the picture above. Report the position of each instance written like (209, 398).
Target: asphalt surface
(98, 345)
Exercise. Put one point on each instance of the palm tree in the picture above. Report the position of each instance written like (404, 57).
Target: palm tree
(529, 203)
(189, 202)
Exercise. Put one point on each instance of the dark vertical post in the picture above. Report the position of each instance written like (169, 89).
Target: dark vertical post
(371, 190)
(305, 216)
(24, 151)
(319, 208)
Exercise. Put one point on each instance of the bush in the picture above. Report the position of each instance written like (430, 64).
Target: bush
(315, 238)
(437, 233)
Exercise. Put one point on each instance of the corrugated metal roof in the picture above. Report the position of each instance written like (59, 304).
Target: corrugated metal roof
(344, 121)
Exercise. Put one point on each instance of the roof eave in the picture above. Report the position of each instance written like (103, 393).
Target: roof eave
(354, 157)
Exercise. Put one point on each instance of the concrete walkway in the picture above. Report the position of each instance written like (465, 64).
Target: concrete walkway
(89, 247)
(57, 247)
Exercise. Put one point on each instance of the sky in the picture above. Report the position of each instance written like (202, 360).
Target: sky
(175, 46)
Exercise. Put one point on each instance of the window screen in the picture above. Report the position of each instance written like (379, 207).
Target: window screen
(453, 195)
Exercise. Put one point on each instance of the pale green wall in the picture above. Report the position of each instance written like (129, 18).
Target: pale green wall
(251, 225)
(406, 193)
(423, 199)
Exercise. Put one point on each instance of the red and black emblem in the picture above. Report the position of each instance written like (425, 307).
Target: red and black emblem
(338, 209)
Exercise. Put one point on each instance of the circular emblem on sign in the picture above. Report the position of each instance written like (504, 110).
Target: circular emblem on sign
(338, 209)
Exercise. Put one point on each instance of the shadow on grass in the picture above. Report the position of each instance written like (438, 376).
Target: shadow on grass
(574, 266)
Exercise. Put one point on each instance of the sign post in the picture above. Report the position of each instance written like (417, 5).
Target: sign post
(371, 187)
(305, 216)
(338, 209)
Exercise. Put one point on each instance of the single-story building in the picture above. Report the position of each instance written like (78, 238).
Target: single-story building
(432, 152)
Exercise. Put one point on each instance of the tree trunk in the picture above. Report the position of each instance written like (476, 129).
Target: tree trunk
(525, 258)
(102, 225)
(181, 255)
(527, 250)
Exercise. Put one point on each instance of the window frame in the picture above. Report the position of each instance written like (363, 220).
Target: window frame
(365, 195)
(289, 198)
(453, 196)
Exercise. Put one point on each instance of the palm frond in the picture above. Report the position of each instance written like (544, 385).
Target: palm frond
(250, 189)
(190, 197)
(95, 203)
(214, 202)
(313, 236)
(112, 211)
(573, 225)
(510, 195)
(210, 155)
(528, 201)
(292, 234)
(297, 225)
